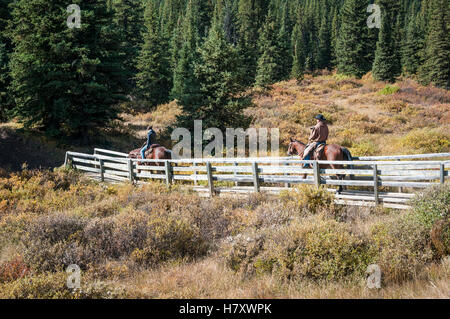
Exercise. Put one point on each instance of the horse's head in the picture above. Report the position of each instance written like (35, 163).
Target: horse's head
(295, 147)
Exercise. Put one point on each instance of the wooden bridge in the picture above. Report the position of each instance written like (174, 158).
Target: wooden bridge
(387, 180)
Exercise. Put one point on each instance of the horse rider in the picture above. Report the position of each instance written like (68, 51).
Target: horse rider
(319, 135)
(151, 137)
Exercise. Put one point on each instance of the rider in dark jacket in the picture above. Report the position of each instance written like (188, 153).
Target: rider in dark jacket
(151, 137)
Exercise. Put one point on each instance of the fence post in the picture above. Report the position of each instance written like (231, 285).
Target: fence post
(66, 160)
(375, 184)
(442, 173)
(102, 173)
(168, 167)
(316, 169)
(130, 170)
(235, 174)
(287, 185)
(194, 165)
(400, 189)
(255, 176)
(210, 179)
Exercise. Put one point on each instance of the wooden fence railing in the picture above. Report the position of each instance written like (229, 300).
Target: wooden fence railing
(372, 182)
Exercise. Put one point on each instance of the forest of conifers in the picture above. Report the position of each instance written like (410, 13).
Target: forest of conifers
(203, 53)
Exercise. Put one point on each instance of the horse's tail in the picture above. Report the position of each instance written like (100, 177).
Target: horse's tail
(348, 156)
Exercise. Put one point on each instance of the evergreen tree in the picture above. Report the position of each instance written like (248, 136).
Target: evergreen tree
(153, 78)
(5, 50)
(386, 64)
(324, 54)
(353, 39)
(268, 70)
(299, 52)
(251, 15)
(65, 81)
(185, 83)
(128, 15)
(436, 68)
(220, 102)
(284, 44)
(411, 52)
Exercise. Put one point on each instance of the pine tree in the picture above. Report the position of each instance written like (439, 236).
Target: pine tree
(353, 40)
(386, 64)
(220, 102)
(268, 71)
(65, 81)
(411, 51)
(4, 81)
(153, 78)
(324, 54)
(334, 36)
(185, 83)
(128, 15)
(284, 44)
(5, 50)
(436, 68)
(251, 15)
(299, 54)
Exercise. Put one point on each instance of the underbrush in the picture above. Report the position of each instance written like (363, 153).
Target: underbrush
(115, 232)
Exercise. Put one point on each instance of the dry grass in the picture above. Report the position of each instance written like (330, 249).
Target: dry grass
(155, 242)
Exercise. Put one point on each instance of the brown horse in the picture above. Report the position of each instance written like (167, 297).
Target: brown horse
(156, 152)
(331, 152)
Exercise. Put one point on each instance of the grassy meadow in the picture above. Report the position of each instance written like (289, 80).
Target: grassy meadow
(154, 242)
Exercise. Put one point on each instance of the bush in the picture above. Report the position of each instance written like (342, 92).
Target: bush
(309, 199)
(432, 204)
(401, 246)
(170, 238)
(365, 148)
(314, 248)
(54, 286)
(389, 89)
(426, 140)
(13, 269)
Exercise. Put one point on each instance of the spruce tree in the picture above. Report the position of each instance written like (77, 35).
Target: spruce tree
(185, 84)
(221, 102)
(153, 77)
(284, 44)
(128, 15)
(251, 16)
(324, 54)
(386, 64)
(411, 51)
(5, 50)
(299, 52)
(353, 39)
(65, 81)
(268, 64)
(436, 67)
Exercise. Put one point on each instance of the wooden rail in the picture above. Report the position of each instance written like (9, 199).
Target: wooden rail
(375, 178)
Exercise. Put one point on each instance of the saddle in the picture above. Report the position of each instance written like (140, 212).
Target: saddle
(150, 150)
(318, 152)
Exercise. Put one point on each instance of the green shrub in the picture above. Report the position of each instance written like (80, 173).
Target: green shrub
(314, 248)
(309, 199)
(389, 89)
(426, 140)
(432, 204)
(365, 148)
(401, 246)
